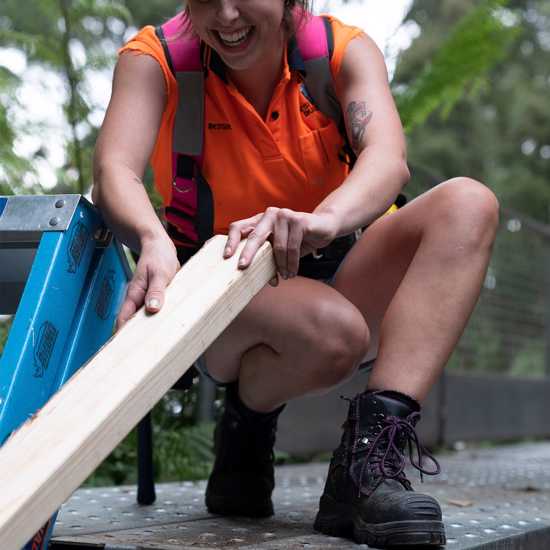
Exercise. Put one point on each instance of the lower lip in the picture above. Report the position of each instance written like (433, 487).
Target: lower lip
(240, 47)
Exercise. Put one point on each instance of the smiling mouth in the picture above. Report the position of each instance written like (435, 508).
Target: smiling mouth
(233, 39)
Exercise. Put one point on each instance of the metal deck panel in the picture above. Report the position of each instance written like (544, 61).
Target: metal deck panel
(492, 499)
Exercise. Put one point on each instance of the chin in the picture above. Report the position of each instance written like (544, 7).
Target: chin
(240, 64)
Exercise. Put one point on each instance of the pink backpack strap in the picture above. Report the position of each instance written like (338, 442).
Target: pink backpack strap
(311, 36)
(184, 49)
(190, 212)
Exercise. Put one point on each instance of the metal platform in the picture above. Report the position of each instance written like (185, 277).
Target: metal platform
(495, 498)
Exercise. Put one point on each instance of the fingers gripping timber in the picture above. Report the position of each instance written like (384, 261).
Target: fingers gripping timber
(58, 448)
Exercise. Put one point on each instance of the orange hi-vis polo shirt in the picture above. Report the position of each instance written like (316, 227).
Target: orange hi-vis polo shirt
(289, 160)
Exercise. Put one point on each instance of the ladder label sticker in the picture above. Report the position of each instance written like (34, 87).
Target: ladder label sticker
(47, 335)
(77, 245)
(106, 293)
(39, 539)
(3, 202)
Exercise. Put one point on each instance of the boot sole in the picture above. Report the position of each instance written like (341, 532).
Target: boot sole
(333, 518)
(222, 506)
(399, 533)
(336, 519)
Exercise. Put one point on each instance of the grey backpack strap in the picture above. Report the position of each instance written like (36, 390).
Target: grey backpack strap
(189, 123)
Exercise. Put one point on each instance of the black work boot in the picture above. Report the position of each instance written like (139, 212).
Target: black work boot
(242, 478)
(367, 495)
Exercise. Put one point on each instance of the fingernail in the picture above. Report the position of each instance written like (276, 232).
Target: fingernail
(153, 303)
(227, 251)
(242, 263)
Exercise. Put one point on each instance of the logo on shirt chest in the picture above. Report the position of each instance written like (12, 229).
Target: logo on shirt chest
(219, 126)
(307, 109)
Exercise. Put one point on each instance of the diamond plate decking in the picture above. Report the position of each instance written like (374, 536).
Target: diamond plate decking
(495, 498)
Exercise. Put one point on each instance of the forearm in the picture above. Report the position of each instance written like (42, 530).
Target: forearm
(126, 208)
(368, 191)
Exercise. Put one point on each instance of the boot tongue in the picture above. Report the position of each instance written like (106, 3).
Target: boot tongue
(388, 402)
(376, 443)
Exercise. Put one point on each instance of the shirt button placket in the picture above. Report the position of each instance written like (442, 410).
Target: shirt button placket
(274, 123)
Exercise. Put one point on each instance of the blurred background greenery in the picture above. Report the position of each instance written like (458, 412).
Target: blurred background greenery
(472, 89)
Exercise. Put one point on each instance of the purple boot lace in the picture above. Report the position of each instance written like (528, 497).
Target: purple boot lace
(385, 458)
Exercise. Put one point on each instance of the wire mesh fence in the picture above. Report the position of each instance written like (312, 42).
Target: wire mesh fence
(510, 327)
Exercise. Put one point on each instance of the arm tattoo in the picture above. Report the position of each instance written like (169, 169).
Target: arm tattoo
(358, 119)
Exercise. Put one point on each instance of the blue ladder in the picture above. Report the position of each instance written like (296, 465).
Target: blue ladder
(63, 276)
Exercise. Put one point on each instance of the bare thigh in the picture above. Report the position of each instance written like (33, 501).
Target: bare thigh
(452, 216)
(299, 318)
(372, 271)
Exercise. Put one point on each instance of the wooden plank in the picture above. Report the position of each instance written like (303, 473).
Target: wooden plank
(53, 453)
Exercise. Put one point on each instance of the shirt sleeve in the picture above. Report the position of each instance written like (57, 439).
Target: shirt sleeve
(343, 35)
(146, 42)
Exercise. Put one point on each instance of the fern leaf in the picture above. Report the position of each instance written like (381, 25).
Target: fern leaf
(479, 41)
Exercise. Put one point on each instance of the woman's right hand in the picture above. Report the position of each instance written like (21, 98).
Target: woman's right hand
(157, 265)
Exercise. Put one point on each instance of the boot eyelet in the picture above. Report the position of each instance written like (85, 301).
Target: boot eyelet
(364, 440)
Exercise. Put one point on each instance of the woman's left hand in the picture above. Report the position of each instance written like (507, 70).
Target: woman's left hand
(292, 234)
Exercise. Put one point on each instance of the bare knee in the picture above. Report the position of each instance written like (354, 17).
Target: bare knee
(340, 341)
(467, 210)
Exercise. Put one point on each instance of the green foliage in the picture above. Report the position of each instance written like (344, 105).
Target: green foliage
(71, 39)
(12, 166)
(185, 454)
(152, 13)
(498, 135)
(475, 45)
(4, 330)
(67, 38)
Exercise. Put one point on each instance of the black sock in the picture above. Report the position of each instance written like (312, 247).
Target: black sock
(232, 396)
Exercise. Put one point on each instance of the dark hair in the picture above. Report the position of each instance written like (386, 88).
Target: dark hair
(300, 7)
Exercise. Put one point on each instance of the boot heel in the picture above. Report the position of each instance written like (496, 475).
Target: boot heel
(333, 518)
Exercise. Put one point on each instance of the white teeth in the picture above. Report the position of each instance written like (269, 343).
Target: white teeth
(234, 38)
